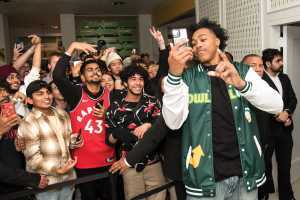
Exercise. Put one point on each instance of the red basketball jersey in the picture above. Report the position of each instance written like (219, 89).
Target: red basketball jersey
(94, 153)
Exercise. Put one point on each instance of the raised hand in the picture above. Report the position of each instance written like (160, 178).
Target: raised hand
(75, 68)
(178, 56)
(156, 34)
(81, 46)
(106, 52)
(226, 71)
(35, 40)
(17, 51)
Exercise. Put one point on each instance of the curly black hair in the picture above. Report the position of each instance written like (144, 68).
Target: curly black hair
(100, 63)
(213, 26)
(269, 54)
(131, 71)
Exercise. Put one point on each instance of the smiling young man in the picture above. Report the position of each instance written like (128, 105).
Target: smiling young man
(94, 156)
(46, 132)
(128, 120)
(222, 157)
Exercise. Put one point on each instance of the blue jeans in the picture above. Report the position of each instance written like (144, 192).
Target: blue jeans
(64, 193)
(230, 189)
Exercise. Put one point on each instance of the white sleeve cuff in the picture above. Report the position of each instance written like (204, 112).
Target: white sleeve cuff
(128, 165)
(173, 80)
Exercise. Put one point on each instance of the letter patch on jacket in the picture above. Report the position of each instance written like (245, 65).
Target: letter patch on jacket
(194, 156)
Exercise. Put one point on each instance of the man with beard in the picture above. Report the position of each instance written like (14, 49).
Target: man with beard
(281, 139)
(222, 157)
(10, 74)
(88, 120)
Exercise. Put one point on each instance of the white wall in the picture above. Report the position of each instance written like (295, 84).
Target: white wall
(208, 8)
(273, 18)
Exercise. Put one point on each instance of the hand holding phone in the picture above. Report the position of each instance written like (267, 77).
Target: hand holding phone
(180, 36)
(8, 109)
(99, 110)
(99, 104)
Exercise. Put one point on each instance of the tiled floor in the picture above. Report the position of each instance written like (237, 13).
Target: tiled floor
(296, 188)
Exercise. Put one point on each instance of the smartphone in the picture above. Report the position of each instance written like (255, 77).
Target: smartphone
(99, 104)
(180, 36)
(19, 43)
(78, 138)
(133, 52)
(76, 62)
(8, 109)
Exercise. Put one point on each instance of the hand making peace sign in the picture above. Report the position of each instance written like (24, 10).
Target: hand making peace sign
(226, 71)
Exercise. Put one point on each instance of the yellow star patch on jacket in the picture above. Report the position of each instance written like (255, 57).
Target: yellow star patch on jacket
(197, 153)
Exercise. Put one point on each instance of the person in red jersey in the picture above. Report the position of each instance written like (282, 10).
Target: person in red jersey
(88, 103)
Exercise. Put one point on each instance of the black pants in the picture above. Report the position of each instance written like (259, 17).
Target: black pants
(103, 189)
(180, 190)
(282, 144)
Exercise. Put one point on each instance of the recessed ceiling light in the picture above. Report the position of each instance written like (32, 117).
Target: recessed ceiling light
(118, 3)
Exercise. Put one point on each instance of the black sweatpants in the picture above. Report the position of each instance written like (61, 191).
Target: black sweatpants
(103, 189)
(282, 144)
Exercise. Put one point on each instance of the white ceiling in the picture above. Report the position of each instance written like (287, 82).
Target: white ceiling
(30, 12)
(131, 7)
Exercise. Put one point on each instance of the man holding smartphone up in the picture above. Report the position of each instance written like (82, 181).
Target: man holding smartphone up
(210, 100)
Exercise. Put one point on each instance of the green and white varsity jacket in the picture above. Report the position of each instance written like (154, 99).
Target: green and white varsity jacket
(187, 103)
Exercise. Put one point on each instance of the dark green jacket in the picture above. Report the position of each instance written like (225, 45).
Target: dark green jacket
(198, 172)
(187, 101)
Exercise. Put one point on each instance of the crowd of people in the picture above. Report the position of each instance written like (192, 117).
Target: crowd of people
(196, 117)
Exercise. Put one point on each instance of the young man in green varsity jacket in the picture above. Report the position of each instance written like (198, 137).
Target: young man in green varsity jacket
(210, 98)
